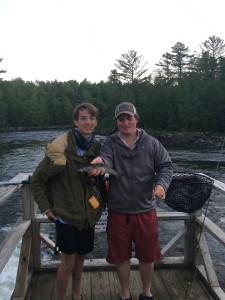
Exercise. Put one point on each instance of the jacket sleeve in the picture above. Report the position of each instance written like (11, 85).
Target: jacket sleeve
(40, 182)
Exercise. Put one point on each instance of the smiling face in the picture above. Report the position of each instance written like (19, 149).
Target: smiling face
(127, 124)
(85, 123)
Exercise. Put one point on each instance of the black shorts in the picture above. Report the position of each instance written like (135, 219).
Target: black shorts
(70, 240)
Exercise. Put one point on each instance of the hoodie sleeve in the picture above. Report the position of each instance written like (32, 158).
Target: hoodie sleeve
(163, 165)
(106, 152)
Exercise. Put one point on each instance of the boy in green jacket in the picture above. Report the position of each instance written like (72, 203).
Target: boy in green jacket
(63, 193)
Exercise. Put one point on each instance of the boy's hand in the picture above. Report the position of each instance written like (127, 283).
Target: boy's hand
(159, 192)
(97, 161)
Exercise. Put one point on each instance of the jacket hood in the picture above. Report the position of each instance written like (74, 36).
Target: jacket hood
(117, 139)
(55, 150)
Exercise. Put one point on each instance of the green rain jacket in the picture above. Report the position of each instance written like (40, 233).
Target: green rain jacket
(57, 184)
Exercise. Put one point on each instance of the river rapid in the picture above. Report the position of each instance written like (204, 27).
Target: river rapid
(20, 152)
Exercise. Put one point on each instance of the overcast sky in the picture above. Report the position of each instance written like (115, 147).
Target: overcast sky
(77, 39)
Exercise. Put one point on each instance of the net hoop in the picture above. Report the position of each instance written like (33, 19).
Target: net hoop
(188, 192)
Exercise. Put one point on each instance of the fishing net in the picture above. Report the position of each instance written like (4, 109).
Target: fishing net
(188, 192)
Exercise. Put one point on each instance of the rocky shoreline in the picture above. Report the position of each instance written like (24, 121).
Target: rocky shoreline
(175, 139)
(191, 139)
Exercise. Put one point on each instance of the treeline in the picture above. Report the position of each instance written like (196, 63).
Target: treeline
(185, 93)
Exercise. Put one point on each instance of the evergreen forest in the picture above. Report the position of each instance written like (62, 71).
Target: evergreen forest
(186, 92)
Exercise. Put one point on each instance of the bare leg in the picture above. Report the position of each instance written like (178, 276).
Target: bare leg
(146, 272)
(123, 272)
(76, 276)
(63, 274)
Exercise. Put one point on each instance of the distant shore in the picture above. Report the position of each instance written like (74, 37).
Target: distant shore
(177, 139)
(17, 129)
(191, 139)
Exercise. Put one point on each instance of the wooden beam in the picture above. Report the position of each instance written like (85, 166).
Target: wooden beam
(208, 264)
(47, 241)
(101, 263)
(24, 275)
(36, 245)
(217, 291)
(216, 232)
(175, 240)
(172, 215)
(218, 185)
(7, 191)
(162, 216)
(9, 244)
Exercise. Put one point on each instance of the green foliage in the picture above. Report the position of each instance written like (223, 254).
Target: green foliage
(187, 93)
(194, 104)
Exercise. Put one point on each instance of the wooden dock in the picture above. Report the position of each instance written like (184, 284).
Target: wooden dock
(185, 274)
(168, 284)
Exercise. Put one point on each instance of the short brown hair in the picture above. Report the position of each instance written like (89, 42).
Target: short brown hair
(88, 106)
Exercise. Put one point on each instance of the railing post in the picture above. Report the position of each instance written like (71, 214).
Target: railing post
(27, 204)
(29, 212)
(190, 240)
(25, 265)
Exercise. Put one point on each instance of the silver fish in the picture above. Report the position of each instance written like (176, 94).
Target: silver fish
(108, 170)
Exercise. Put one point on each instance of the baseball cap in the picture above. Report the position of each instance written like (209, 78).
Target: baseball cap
(125, 108)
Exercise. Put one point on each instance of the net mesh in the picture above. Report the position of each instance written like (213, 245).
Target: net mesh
(188, 192)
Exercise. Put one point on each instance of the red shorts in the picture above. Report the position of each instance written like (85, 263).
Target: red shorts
(123, 229)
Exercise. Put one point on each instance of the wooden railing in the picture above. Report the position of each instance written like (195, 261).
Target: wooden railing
(191, 234)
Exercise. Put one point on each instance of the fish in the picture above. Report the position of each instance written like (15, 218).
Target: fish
(108, 170)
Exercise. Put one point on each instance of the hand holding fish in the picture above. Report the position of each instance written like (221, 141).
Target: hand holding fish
(159, 192)
(97, 167)
(98, 171)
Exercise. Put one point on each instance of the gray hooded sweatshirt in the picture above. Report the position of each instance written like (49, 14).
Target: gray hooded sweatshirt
(146, 164)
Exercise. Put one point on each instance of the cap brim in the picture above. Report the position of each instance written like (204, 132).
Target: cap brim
(126, 113)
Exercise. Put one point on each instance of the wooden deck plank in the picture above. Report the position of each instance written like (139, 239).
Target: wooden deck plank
(168, 284)
(114, 285)
(31, 288)
(54, 288)
(135, 284)
(44, 286)
(87, 286)
(193, 285)
(100, 284)
(41, 286)
(159, 289)
(174, 288)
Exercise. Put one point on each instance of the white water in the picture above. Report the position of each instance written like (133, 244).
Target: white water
(20, 152)
(8, 276)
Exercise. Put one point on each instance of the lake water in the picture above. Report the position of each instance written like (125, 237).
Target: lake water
(20, 152)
